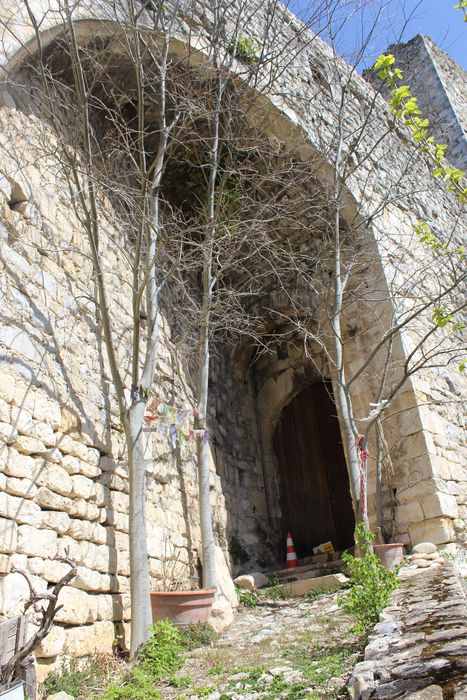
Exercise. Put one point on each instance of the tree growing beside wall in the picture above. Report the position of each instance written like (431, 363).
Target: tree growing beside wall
(409, 308)
(105, 123)
(117, 118)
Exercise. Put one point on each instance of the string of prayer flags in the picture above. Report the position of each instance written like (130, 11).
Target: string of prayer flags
(179, 425)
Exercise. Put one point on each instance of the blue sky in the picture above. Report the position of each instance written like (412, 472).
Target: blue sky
(397, 19)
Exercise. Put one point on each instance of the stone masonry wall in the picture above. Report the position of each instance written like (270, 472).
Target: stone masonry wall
(64, 484)
(438, 82)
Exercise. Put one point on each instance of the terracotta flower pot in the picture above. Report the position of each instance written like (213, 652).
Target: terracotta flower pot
(183, 608)
(389, 554)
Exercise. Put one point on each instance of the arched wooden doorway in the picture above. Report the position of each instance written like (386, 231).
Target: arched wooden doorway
(315, 495)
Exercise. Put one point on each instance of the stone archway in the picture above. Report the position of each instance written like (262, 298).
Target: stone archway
(315, 497)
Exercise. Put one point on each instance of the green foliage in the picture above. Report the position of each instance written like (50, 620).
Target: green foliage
(158, 659)
(442, 318)
(269, 688)
(245, 50)
(181, 681)
(203, 691)
(462, 6)
(199, 634)
(371, 584)
(248, 599)
(75, 678)
(315, 593)
(404, 106)
(275, 590)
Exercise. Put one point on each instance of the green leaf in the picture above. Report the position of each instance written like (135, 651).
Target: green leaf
(383, 61)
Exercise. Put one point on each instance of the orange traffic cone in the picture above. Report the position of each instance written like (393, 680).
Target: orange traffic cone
(292, 561)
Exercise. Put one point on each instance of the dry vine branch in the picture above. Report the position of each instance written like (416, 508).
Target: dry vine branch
(9, 670)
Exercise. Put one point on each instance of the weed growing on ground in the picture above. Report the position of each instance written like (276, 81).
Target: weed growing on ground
(76, 678)
(371, 584)
(249, 599)
(199, 634)
(159, 659)
(316, 593)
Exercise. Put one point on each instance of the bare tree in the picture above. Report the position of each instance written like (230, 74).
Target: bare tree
(88, 105)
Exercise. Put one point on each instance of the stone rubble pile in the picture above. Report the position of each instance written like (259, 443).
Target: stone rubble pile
(419, 649)
(424, 555)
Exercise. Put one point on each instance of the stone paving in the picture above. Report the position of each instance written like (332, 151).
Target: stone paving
(305, 648)
(419, 649)
(286, 649)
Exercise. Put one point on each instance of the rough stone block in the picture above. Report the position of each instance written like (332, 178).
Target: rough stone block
(99, 534)
(7, 387)
(53, 501)
(109, 607)
(330, 582)
(246, 582)
(58, 480)
(21, 487)
(78, 607)
(8, 536)
(19, 562)
(89, 580)
(101, 495)
(221, 615)
(119, 502)
(80, 529)
(14, 592)
(36, 566)
(19, 342)
(425, 548)
(5, 564)
(70, 548)
(5, 411)
(29, 445)
(409, 513)
(55, 520)
(439, 504)
(23, 511)
(437, 530)
(43, 432)
(53, 644)
(84, 510)
(54, 570)
(46, 410)
(8, 433)
(44, 667)
(80, 641)
(82, 487)
(105, 636)
(21, 466)
(32, 541)
(22, 420)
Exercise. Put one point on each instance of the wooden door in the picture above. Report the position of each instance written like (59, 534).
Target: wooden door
(315, 496)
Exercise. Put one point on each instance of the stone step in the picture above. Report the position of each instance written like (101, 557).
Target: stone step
(309, 571)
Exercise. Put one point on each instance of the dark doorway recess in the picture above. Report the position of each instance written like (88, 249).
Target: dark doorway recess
(315, 496)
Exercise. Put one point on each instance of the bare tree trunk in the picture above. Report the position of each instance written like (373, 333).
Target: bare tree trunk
(379, 476)
(207, 535)
(343, 400)
(141, 616)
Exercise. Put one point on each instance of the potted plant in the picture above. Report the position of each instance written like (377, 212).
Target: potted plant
(390, 555)
(179, 598)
